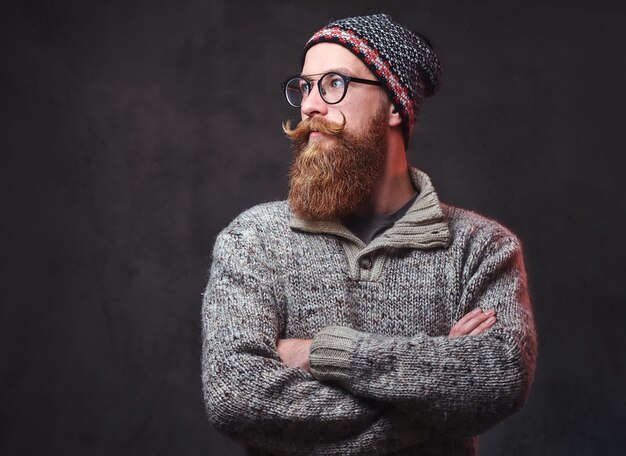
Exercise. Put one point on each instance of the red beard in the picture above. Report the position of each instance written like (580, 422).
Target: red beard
(329, 180)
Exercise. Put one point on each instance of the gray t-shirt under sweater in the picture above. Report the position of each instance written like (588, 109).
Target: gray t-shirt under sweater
(368, 227)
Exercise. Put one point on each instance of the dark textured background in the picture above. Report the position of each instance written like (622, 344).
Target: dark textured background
(132, 132)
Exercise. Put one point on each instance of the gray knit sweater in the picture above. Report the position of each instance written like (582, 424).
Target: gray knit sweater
(385, 378)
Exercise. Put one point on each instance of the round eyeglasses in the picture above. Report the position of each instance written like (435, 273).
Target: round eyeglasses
(332, 87)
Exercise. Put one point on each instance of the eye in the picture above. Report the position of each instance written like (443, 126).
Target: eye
(304, 87)
(336, 82)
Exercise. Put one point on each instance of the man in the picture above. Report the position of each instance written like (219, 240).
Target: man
(364, 316)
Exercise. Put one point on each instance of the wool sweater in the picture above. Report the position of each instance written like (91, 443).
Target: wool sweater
(385, 378)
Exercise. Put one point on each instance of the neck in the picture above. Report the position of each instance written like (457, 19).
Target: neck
(395, 188)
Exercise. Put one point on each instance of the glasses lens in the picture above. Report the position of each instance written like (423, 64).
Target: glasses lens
(333, 87)
(295, 90)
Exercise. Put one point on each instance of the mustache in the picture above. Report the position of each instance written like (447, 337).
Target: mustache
(304, 128)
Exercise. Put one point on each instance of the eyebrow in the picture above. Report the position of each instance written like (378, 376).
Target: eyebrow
(341, 70)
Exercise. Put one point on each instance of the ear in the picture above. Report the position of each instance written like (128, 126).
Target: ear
(394, 116)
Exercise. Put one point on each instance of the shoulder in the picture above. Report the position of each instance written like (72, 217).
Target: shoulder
(471, 228)
(256, 224)
(262, 216)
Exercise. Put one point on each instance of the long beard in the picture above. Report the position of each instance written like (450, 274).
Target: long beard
(328, 180)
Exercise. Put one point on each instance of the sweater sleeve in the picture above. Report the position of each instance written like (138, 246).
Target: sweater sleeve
(251, 396)
(460, 386)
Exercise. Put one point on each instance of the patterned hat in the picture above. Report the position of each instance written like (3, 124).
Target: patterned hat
(402, 60)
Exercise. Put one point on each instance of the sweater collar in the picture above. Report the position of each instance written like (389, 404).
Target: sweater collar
(424, 226)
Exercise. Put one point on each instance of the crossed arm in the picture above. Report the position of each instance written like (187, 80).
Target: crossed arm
(459, 385)
(295, 352)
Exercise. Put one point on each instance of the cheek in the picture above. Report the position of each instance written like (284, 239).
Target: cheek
(357, 114)
(356, 123)
(337, 115)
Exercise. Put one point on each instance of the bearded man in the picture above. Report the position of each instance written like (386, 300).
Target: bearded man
(363, 315)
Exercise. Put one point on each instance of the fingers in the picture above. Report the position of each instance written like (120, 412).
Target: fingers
(488, 323)
(467, 317)
(473, 323)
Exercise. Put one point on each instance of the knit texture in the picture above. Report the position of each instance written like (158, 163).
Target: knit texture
(386, 379)
(331, 352)
(402, 60)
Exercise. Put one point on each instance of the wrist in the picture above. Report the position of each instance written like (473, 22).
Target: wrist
(331, 352)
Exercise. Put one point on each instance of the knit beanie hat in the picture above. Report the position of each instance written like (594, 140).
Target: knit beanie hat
(402, 60)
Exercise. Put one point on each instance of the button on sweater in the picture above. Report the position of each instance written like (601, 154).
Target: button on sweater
(385, 378)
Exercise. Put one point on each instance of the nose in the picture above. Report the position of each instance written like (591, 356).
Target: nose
(313, 104)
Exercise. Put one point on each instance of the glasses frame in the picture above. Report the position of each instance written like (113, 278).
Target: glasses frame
(346, 79)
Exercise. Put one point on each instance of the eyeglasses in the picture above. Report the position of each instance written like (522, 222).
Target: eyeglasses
(332, 87)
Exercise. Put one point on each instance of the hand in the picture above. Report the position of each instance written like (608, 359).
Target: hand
(294, 352)
(473, 323)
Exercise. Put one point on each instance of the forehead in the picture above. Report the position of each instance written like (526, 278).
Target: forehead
(324, 57)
